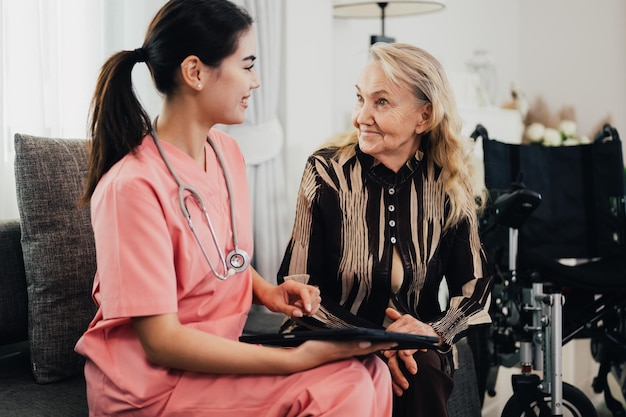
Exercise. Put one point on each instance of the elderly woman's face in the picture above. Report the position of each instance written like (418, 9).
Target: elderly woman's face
(388, 118)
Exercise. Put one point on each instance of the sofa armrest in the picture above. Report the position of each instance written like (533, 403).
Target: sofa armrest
(13, 296)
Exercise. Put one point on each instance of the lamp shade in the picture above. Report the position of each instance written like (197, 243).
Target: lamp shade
(364, 8)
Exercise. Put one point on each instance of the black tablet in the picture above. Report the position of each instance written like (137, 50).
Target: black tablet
(404, 340)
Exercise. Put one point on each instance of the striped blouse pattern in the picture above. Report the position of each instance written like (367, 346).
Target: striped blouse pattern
(351, 214)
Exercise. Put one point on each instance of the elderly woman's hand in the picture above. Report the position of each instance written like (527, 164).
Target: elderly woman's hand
(404, 324)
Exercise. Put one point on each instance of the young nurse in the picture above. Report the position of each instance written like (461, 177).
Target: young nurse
(172, 226)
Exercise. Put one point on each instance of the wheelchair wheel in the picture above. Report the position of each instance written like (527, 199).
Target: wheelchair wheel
(575, 404)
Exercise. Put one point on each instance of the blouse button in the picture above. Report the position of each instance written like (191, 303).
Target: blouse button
(393, 240)
(391, 207)
(392, 223)
(392, 191)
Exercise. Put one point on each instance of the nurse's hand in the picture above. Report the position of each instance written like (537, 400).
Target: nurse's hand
(292, 298)
(316, 352)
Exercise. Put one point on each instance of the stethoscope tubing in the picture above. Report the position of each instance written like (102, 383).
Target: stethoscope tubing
(237, 260)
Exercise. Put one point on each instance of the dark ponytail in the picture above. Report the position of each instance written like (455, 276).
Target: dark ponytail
(209, 29)
(118, 122)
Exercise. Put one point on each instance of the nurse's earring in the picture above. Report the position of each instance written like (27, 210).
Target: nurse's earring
(199, 86)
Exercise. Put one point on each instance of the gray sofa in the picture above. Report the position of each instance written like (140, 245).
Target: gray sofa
(47, 263)
(46, 269)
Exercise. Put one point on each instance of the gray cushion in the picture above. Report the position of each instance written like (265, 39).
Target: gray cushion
(13, 299)
(59, 251)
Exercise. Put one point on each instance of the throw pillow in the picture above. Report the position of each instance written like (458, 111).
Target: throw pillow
(59, 251)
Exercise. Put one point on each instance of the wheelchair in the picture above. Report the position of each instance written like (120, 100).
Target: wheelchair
(553, 231)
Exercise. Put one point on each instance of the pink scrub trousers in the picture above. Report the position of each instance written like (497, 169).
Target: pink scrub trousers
(353, 387)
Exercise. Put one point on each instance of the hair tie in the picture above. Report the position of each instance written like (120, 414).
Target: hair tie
(140, 55)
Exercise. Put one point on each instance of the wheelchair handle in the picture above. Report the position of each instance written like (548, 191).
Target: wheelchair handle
(480, 131)
(607, 132)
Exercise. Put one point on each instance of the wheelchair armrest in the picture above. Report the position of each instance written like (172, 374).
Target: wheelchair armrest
(512, 209)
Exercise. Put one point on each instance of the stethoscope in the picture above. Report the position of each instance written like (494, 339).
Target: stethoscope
(236, 260)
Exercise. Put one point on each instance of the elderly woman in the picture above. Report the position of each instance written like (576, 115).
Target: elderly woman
(384, 213)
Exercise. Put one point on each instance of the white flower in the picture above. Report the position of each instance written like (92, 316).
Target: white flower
(568, 128)
(573, 141)
(565, 135)
(535, 132)
(552, 137)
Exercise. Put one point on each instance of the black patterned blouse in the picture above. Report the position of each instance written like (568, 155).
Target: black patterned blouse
(353, 213)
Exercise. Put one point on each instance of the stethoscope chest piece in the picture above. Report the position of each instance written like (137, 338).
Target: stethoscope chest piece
(238, 260)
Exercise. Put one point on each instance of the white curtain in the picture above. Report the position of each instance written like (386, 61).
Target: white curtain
(46, 73)
(262, 142)
(50, 55)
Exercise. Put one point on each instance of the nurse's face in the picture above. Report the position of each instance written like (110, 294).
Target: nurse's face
(388, 117)
(232, 83)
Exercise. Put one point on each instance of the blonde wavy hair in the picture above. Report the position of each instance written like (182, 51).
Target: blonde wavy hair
(408, 65)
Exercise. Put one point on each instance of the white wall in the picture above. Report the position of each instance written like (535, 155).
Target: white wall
(576, 57)
(307, 106)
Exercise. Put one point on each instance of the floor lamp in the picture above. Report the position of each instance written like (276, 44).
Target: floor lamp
(382, 9)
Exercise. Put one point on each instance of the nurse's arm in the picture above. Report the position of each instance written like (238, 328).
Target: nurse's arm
(168, 343)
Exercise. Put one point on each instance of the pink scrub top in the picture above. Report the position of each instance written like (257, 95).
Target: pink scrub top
(149, 263)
